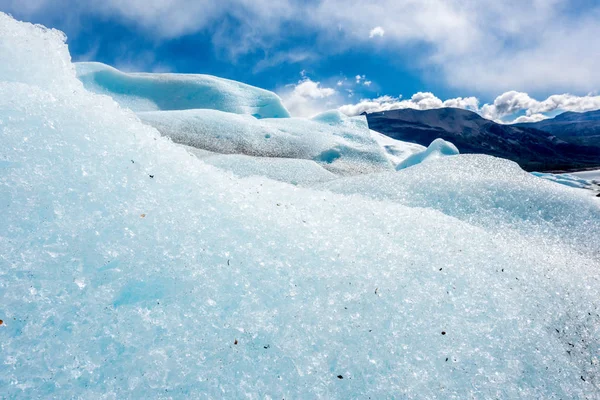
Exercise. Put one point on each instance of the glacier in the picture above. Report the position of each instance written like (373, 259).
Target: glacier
(131, 267)
(166, 91)
(338, 143)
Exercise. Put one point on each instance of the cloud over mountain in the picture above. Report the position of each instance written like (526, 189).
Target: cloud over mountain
(505, 105)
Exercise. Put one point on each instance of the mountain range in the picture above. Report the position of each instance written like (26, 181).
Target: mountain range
(570, 141)
(582, 128)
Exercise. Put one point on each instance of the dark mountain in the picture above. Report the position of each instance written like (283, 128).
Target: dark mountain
(581, 128)
(531, 148)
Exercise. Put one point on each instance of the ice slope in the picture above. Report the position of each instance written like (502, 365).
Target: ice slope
(289, 170)
(338, 143)
(438, 148)
(565, 179)
(491, 193)
(396, 150)
(129, 269)
(588, 175)
(150, 92)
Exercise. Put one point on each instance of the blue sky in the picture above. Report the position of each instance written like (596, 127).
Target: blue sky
(503, 59)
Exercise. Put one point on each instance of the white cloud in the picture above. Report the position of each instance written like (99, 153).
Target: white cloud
(307, 97)
(485, 46)
(236, 27)
(504, 107)
(377, 31)
(312, 90)
(531, 118)
(367, 83)
(419, 101)
(513, 102)
(288, 57)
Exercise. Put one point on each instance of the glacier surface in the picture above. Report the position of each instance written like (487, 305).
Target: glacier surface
(593, 175)
(152, 92)
(396, 150)
(341, 144)
(290, 170)
(130, 269)
(438, 148)
(565, 179)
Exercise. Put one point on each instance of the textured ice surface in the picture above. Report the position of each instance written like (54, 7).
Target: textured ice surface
(396, 150)
(199, 153)
(338, 143)
(290, 170)
(565, 179)
(589, 175)
(129, 269)
(491, 193)
(438, 148)
(149, 92)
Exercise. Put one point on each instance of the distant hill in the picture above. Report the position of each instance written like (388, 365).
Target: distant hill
(581, 128)
(533, 149)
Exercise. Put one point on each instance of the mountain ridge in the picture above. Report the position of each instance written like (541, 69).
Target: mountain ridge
(577, 127)
(533, 149)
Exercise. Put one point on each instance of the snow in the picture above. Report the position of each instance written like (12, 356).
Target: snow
(338, 143)
(151, 92)
(438, 148)
(130, 268)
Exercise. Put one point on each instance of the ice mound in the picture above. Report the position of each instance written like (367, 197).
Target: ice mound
(151, 92)
(491, 193)
(438, 148)
(129, 269)
(396, 150)
(338, 143)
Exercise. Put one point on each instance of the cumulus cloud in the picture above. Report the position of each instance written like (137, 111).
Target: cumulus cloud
(530, 118)
(419, 101)
(362, 80)
(513, 102)
(312, 90)
(307, 97)
(503, 109)
(377, 31)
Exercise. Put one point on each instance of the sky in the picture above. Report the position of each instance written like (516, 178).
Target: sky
(508, 60)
